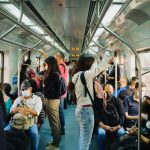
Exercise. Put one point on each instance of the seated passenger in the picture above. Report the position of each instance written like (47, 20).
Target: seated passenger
(124, 90)
(131, 104)
(129, 141)
(2, 135)
(145, 137)
(110, 118)
(3, 108)
(34, 108)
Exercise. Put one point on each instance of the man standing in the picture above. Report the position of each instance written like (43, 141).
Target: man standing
(112, 73)
(59, 56)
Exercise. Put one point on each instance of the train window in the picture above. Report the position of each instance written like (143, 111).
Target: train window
(145, 61)
(1, 66)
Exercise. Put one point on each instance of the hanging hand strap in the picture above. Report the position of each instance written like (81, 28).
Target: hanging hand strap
(82, 77)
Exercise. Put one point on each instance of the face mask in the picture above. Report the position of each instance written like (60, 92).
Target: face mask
(26, 93)
(148, 124)
(145, 116)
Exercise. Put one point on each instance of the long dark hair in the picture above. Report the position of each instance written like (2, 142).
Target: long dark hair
(2, 103)
(84, 63)
(52, 65)
(7, 88)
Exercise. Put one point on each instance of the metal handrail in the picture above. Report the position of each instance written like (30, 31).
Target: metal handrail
(139, 76)
(115, 70)
(116, 73)
(14, 26)
(25, 28)
(145, 73)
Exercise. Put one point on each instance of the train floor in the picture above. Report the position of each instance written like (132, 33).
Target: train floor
(71, 138)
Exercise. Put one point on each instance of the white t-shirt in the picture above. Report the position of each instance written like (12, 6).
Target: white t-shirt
(34, 103)
(89, 76)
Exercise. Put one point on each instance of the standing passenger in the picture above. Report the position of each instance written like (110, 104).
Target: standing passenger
(53, 101)
(84, 110)
(112, 73)
(59, 56)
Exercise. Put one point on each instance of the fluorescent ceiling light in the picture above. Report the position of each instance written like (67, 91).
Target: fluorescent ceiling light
(95, 49)
(92, 52)
(16, 13)
(27, 21)
(4, 0)
(92, 43)
(12, 9)
(119, 1)
(37, 29)
(48, 38)
(95, 38)
(111, 13)
(99, 31)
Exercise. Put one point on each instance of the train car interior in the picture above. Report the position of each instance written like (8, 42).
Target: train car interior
(30, 30)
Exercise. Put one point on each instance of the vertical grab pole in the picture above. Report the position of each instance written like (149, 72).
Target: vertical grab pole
(19, 63)
(116, 76)
(139, 76)
(105, 76)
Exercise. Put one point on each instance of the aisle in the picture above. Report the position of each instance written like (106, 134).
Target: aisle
(71, 138)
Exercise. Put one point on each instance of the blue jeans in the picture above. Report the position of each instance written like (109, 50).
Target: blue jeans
(85, 117)
(102, 136)
(61, 115)
(33, 133)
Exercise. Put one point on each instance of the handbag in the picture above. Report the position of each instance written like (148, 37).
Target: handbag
(20, 121)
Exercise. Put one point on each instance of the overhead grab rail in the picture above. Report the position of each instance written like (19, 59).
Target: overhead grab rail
(139, 76)
(23, 27)
(14, 26)
(145, 73)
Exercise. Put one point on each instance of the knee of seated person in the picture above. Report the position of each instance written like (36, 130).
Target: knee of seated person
(101, 132)
(121, 132)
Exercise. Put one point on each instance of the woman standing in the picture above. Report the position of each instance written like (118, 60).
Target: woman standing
(52, 105)
(84, 110)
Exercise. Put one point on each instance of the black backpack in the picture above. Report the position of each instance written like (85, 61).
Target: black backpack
(61, 87)
(56, 88)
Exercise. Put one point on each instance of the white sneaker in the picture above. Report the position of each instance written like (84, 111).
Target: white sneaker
(51, 147)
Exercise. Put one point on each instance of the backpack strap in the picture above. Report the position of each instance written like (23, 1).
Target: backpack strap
(63, 67)
(82, 77)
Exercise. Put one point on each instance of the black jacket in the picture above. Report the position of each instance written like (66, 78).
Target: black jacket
(51, 85)
(102, 117)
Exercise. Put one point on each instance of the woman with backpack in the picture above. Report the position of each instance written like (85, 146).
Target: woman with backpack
(84, 110)
(53, 89)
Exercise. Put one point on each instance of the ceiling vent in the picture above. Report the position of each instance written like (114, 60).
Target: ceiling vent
(24, 35)
(138, 16)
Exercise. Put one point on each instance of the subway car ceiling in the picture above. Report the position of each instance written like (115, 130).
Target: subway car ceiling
(74, 26)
